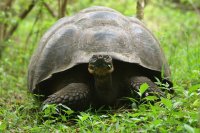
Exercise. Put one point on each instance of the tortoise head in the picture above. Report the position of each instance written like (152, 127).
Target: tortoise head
(100, 65)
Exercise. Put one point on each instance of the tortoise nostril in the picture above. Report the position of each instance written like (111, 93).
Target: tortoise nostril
(100, 56)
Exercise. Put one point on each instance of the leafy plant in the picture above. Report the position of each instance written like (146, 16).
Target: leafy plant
(178, 32)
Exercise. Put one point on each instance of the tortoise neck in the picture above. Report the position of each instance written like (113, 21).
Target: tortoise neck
(103, 83)
(105, 94)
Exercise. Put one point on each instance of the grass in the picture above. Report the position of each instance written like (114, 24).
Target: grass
(177, 30)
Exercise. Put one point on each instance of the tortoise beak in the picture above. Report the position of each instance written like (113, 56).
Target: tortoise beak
(100, 63)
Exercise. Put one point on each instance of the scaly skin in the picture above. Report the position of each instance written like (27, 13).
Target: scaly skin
(74, 95)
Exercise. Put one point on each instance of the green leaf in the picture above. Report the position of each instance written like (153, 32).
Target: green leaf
(83, 117)
(134, 105)
(151, 98)
(167, 102)
(196, 103)
(63, 118)
(157, 122)
(189, 128)
(194, 88)
(2, 126)
(143, 88)
(66, 109)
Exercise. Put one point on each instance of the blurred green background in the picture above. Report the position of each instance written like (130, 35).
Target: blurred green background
(176, 24)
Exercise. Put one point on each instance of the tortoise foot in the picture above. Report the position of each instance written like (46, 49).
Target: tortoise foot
(74, 95)
(153, 89)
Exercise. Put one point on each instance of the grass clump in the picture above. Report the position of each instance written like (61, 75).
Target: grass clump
(177, 30)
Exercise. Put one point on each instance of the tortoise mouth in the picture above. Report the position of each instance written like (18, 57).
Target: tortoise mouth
(100, 65)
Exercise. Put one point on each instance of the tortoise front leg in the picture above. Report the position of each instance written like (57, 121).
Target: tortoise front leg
(75, 95)
(153, 89)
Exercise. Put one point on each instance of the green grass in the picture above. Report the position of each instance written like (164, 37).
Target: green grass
(179, 34)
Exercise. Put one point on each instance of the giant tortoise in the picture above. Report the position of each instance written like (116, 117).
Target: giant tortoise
(94, 58)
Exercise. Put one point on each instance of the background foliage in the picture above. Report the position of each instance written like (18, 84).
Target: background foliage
(176, 25)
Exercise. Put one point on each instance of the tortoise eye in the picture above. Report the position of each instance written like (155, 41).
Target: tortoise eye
(91, 67)
(108, 59)
(109, 66)
(93, 59)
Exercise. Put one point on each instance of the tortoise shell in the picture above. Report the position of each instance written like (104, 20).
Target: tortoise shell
(95, 30)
